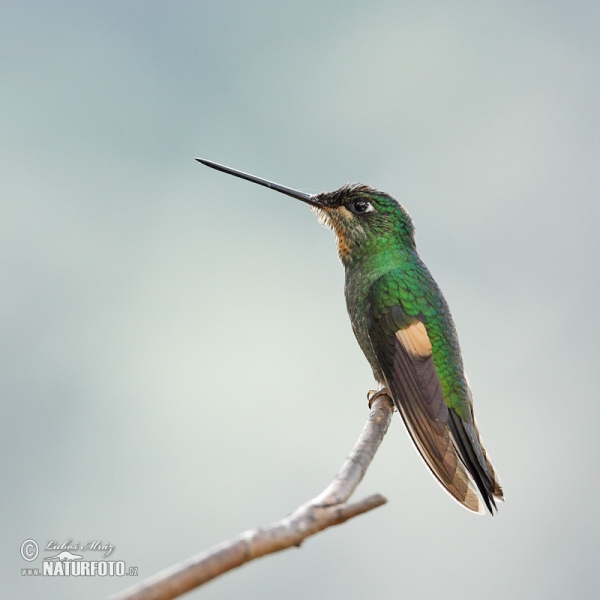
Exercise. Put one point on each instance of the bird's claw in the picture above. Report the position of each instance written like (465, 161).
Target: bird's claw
(372, 394)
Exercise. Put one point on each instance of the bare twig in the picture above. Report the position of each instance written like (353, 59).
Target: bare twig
(327, 509)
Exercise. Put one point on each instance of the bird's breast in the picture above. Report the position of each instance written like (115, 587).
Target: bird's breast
(357, 289)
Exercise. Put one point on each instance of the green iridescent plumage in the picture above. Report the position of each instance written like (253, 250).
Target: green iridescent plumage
(403, 325)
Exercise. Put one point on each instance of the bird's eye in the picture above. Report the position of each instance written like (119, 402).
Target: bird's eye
(359, 207)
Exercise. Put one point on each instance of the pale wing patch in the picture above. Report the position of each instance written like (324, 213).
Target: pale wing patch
(415, 340)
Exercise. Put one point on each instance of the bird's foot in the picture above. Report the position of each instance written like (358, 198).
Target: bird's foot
(372, 394)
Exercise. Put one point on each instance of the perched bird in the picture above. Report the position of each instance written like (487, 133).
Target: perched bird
(403, 325)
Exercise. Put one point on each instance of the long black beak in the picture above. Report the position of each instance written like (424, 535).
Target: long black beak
(274, 186)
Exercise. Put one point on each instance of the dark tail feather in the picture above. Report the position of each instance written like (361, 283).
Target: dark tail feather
(475, 460)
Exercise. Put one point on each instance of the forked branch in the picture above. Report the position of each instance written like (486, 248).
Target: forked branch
(327, 509)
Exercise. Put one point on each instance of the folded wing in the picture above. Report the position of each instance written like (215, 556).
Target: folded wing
(450, 446)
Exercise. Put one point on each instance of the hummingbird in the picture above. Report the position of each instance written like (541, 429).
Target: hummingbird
(403, 325)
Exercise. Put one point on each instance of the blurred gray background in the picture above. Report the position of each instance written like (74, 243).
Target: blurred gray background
(177, 364)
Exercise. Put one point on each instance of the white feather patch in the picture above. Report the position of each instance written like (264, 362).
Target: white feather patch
(415, 340)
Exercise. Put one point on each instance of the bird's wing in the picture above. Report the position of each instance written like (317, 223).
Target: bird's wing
(404, 351)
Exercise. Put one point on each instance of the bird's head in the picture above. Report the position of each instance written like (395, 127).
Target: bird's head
(364, 220)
